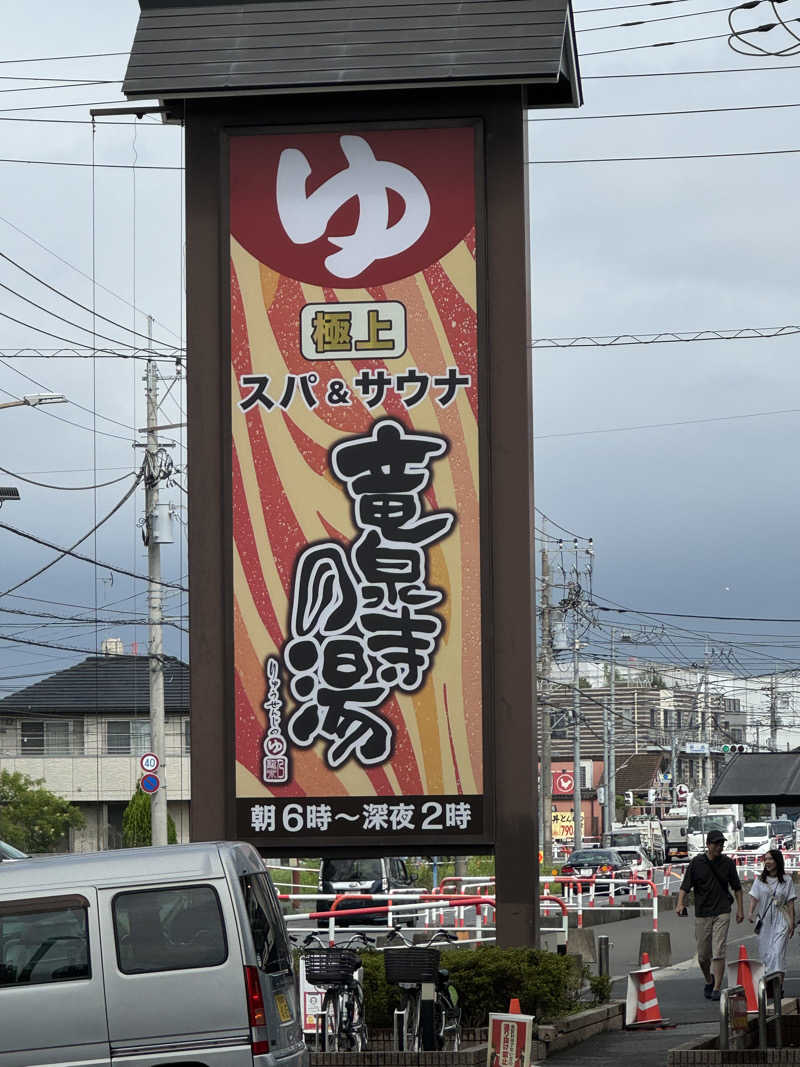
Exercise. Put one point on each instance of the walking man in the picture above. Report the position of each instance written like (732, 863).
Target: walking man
(710, 875)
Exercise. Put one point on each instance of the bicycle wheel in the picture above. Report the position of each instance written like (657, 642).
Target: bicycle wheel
(357, 1023)
(330, 1021)
(447, 1022)
(411, 1037)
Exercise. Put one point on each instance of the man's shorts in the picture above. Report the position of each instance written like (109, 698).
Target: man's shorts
(711, 934)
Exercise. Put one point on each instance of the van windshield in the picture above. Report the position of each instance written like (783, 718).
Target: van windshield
(341, 870)
(756, 829)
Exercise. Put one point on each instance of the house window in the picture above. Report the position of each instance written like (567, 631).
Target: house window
(118, 737)
(678, 719)
(653, 722)
(187, 737)
(140, 736)
(51, 738)
(667, 719)
(32, 739)
(559, 723)
(127, 736)
(737, 733)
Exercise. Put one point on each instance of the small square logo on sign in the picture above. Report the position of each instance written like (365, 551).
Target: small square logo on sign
(360, 330)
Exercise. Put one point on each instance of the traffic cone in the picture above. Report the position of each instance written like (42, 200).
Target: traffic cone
(642, 1010)
(514, 1008)
(744, 978)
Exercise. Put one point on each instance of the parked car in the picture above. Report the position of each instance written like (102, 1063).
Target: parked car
(146, 956)
(9, 853)
(635, 859)
(362, 877)
(586, 862)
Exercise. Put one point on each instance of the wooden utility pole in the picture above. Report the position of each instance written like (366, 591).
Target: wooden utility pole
(545, 749)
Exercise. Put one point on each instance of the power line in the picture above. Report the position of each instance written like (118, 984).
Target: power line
(84, 559)
(77, 303)
(665, 425)
(68, 422)
(57, 59)
(630, 7)
(68, 551)
(66, 488)
(687, 615)
(647, 22)
(93, 166)
(644, 159)
(659, 114)
(656, 44)
(55, 315)
(83, 274)
(678, 73)
(74, 403)
(746, 333)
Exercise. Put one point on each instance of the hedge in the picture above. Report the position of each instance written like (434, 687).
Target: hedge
(547, 985)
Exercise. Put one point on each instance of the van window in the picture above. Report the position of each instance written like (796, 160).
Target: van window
(44, 942)
(169, 929)
(351, 870)
(266, 924)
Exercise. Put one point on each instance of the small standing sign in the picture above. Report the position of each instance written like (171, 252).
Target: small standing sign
(149, 762)
(509, 1040)
(150, 783)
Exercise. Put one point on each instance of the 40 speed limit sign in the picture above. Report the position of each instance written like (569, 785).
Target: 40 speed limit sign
(149, 762)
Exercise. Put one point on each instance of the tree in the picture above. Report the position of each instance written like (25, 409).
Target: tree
(584, 683)
(136, 825)
(32, 818)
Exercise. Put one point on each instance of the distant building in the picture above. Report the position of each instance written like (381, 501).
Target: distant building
(83, 731)
(647, 721)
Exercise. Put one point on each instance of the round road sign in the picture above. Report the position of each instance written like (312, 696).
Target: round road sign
(149, 762)
(150, 783)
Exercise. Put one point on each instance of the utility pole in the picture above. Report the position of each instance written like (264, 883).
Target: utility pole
(705, 760)
(773, 726)
(609, 754)
(576, 739)
(546, 750)
(155, 647)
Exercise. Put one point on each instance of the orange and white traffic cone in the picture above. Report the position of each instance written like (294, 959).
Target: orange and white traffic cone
(641, 1008)
(513, 1007)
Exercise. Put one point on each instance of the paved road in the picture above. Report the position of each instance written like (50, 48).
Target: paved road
(680, 996)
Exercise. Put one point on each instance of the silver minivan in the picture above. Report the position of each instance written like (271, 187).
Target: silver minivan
(158, 957)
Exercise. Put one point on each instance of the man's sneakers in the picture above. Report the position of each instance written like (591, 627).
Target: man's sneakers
(708, 989)
(716, 994)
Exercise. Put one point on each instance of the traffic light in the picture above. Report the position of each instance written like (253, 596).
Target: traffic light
(629, 799)
(734, 749)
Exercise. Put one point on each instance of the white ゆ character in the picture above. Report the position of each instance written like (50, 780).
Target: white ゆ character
(305, 218)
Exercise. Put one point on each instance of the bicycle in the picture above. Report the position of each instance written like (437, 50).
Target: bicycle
(343, 1028)
(426, 1022)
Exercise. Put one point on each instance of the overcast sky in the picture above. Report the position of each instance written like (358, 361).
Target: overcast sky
(699, 518)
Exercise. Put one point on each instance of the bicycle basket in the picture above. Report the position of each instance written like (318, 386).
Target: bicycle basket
(331, 966)
(411, 964)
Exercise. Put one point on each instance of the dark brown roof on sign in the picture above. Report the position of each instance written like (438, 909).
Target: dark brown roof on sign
(186, 49)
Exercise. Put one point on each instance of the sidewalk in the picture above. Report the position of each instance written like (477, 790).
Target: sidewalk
(680, 998)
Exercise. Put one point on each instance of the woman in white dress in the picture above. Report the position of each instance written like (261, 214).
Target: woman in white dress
(773, 896)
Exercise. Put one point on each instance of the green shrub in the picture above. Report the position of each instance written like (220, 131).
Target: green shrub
(547, 985)
(600, 985)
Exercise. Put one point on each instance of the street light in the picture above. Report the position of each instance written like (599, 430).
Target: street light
(31, 400)
(35, 400)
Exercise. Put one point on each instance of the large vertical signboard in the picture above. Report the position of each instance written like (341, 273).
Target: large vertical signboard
(355, 486)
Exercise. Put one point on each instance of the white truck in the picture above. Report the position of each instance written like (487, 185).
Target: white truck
(675, 827)
(727, 817)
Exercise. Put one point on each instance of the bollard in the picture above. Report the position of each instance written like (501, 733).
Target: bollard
(603, 954)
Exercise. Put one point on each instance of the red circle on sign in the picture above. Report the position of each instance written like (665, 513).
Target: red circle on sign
(565, 783)
(441, 159)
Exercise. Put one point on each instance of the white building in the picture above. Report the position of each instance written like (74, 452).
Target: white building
(83, 730)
